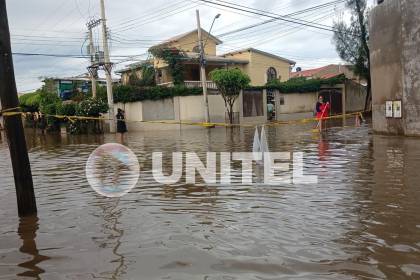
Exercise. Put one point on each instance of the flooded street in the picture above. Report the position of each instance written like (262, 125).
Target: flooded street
(361, 221)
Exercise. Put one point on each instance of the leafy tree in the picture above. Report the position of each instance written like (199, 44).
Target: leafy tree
(30, 101)
(133, 79)
(174, 58)
(351, 41)
(48, 102)
(49, 85)
(147, 76)
(230, 82)
(67, 109)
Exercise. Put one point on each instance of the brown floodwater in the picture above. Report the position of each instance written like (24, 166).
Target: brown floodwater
(361, 221)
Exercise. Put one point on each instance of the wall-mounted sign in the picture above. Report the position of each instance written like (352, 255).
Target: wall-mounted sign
(397, 106)
(389, 111)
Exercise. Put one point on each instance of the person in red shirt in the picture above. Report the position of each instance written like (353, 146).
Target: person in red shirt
(322, 112)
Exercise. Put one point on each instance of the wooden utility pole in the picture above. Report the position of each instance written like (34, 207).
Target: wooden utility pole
(13, 123)
(108, 69)
(93, 68)
(203, 69)
(92, 60)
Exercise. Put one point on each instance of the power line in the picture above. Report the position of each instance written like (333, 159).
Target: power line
(68, 55)
(269, 15)
(287, 15)
(265, 12)
(156, 18)
(149, 13)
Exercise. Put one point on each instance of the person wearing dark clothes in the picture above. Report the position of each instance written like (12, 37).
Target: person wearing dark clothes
(121, 126)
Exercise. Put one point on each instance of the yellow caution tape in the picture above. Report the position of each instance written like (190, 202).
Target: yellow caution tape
(9, 112)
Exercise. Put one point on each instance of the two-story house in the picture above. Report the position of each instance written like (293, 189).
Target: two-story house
(260, 66)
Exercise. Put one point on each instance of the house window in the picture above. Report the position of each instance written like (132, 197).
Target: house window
(271, 74)
(281, 100)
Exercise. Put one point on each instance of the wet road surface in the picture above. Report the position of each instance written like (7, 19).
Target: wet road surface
(361, 221)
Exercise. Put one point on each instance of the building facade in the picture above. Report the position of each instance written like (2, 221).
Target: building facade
(260, 66)
(395, 67)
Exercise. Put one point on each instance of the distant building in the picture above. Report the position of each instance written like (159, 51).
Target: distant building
(326, 72)
(66, 86)
(129, 70)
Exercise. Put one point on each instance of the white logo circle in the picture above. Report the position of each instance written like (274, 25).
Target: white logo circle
(112, 170)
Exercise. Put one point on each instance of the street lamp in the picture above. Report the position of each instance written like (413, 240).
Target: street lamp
(202, 64)
(211, 27)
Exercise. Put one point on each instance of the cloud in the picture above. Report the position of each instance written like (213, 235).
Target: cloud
(58, 27)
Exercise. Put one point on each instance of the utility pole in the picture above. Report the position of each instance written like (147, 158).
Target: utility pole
(13, 123)
(203, 69)
(93, 68)
(108, 69)
(92, 60)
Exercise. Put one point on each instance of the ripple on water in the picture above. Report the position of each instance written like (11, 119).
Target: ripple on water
(359, 221)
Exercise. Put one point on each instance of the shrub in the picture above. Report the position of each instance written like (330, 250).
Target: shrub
(91, 107)
(30, 102)
(67, 109)
(127, 93)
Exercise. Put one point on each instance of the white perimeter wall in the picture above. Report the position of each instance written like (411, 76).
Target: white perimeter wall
(296, 102)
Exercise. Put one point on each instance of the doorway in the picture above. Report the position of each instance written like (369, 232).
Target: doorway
(335, 98)
(271, 105)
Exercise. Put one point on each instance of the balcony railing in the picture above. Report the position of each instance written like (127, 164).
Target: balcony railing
(192, 84)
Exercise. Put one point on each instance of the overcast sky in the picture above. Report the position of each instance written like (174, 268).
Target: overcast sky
(59, 27)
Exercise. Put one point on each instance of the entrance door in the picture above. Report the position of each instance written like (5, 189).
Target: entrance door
(271, 105)
(335, 98)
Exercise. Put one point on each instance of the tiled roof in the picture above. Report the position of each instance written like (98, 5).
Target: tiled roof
(307, 73)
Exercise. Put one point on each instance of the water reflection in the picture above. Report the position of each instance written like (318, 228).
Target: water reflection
(323, 148)
(27, 230)
(111, 214)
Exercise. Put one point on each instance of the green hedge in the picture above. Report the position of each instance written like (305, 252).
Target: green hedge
(30, 102)
(302, 85)
(127, 93)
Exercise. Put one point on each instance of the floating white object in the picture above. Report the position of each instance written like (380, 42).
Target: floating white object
(256, 146)
(264, 143)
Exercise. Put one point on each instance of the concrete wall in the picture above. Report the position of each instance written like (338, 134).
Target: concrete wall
(355, 97)
(133, 111)
(191, 108)
(158, 110)
(295, 102)
(395, 58)
(183, 108)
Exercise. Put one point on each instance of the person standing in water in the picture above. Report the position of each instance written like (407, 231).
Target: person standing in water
(322, 112)
(270, 111)
(121, 126)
